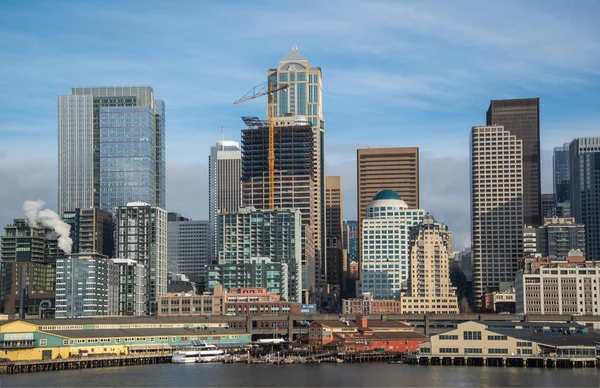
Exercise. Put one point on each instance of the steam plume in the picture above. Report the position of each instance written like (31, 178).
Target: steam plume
(48, 219)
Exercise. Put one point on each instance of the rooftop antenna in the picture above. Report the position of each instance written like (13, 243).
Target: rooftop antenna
(222, 138)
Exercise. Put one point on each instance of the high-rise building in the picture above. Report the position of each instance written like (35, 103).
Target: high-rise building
(224, 184)
(386, 244)
(126, 287)
(111, 147)
(273, 234)
(559, 236)
(548, 206)
(496, 207)
(351, 240)
(295, 184)
(188, 249)
(334, 232)
(429, 288)
(521, 118)
(28, 259)
(81, 285)
(561, 173)
(142, 236)
(303, 98)
(379, 169)
(91, 231)
(585, 190)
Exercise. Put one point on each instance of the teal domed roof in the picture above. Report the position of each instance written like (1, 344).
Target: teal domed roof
(386, 194)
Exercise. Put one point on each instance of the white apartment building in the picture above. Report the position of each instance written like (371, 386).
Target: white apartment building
(386, 245)
(558, 287)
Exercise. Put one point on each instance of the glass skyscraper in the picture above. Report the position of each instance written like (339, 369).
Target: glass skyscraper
(561, 173)
(111, 148)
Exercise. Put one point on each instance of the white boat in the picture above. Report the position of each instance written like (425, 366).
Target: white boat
(199, 352)
(185, 356)
(208, 352)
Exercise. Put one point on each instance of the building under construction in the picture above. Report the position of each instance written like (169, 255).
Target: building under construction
(296, 182)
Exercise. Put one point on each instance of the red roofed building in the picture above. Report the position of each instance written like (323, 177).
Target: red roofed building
(362, 335)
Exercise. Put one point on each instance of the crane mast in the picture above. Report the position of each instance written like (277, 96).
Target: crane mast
(271, 89)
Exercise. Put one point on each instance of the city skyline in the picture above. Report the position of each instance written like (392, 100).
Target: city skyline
(421, 87)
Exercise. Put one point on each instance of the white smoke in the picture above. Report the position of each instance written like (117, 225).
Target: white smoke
(48, 219)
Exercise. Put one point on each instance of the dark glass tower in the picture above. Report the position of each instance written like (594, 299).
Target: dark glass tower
(522, 118)
(561, 172)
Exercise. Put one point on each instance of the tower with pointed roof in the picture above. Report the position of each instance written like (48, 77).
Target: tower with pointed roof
(303, 100)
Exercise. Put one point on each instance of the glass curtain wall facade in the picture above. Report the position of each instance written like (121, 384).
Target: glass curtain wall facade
(81, 117)
(562, 172)
(585, 190)
(127, 156)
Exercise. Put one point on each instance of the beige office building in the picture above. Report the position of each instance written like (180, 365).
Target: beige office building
(395, 169)
(496, 208)
(429, 289)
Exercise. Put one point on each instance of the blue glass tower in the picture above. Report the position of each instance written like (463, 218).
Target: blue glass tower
(111, 148)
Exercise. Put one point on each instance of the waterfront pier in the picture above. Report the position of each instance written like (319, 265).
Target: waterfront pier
(14, 367)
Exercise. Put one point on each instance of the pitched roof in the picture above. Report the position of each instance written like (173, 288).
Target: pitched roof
(590, 339)
(294, 56)
(335, 323)
(376, 324)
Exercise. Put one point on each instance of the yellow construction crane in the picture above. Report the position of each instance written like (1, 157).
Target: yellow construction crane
(258, 91)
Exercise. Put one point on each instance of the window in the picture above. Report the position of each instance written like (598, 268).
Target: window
(472, 350)
(65, 342)
(449, 337)
(498, 351)
(448, 350)
(496, 337)
(43, 342)
(472, 335)
(524, 344)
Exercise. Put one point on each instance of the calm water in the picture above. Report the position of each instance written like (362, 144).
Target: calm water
(307, 375)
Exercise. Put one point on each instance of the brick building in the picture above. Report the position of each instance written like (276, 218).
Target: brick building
(361, 335)
(236, 301)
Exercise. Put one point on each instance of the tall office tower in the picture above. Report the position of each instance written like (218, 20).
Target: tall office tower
(126, 287)
(111, 148)
(429, 287)
(28, 259)
(386, 244)
(304, 98)
(561, 173)
(142, 236)
(249, 234)
(378, 169)
(334, 231)
(584, 162)
(496, 207)
(91, 231)
(351, 240)
(295, 184)
(224, 185)
(81, 285)
(521, 118)
(548, 206)
(559, 236)
(188, 248)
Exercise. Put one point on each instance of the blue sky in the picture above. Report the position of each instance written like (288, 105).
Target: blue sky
(398, 73)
